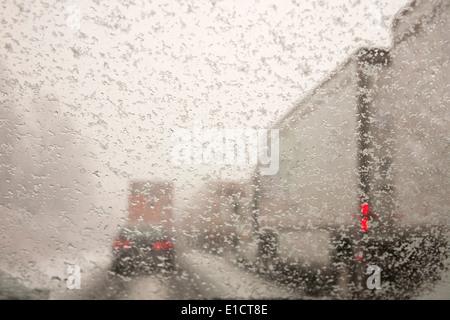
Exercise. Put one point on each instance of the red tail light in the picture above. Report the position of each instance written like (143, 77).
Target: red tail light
(120, 243)
(158, 246)
(364, 224)
(365, 209)
(166, 245)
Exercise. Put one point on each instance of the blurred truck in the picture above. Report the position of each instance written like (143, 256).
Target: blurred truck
(150, 202)
(221, 215)
(145, 243)
(363, 177)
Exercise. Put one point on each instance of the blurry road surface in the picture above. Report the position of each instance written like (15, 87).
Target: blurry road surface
(198, 276)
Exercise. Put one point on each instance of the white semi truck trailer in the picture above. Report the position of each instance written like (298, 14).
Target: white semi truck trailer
(363, 180)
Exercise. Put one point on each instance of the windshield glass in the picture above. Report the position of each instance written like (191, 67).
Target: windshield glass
(256, 150)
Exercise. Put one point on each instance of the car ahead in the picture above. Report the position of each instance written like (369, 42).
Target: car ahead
(143, 248)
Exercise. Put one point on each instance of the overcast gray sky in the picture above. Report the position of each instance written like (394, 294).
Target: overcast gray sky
(129, 72)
